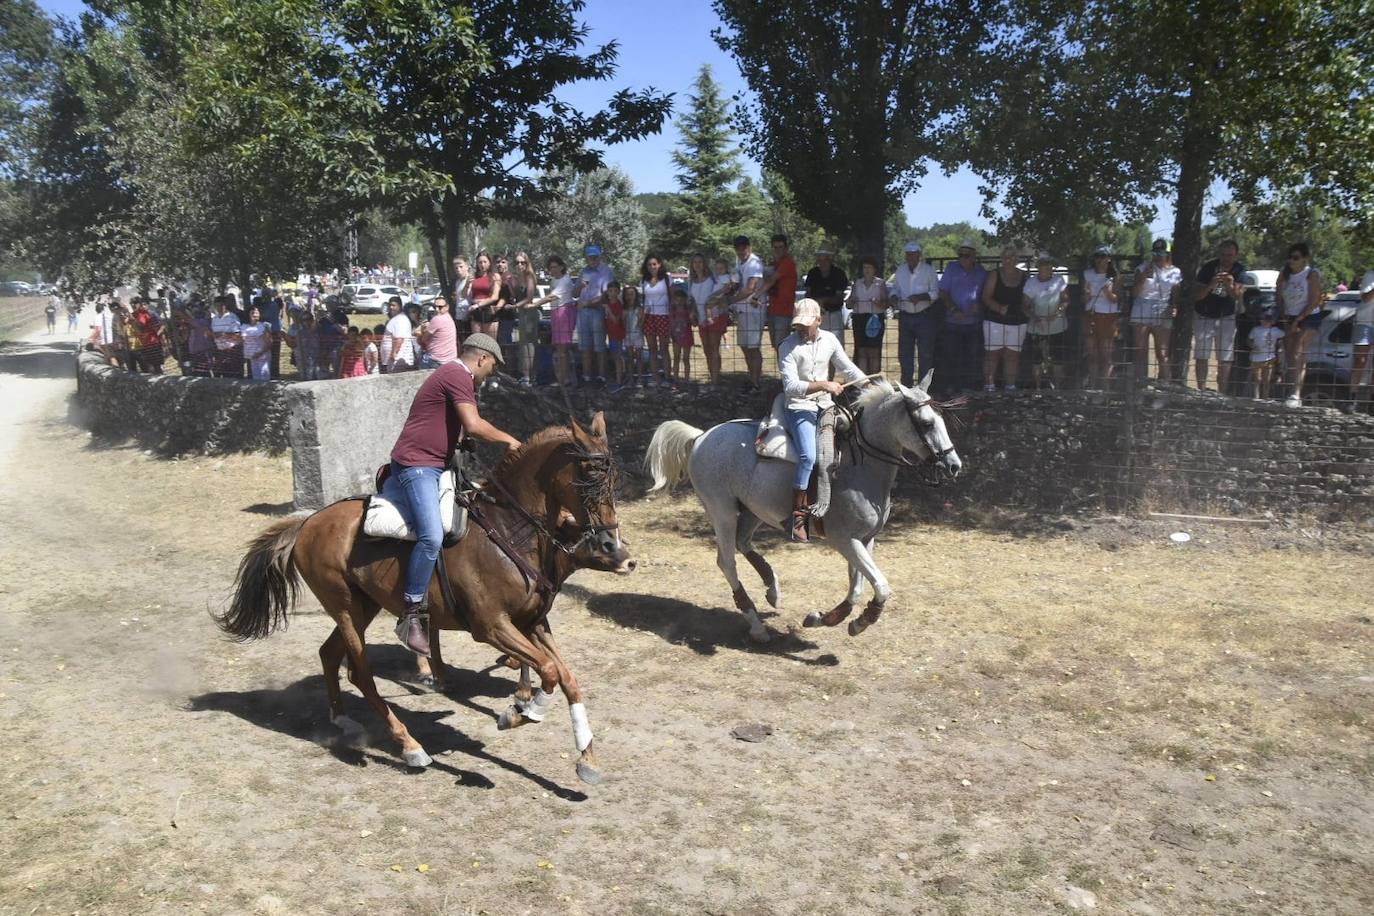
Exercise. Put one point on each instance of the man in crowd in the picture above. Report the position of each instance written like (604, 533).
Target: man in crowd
(915, 289)
(827, 284)
(226, 327)
(1214, 324)
(749, 312)
(961, 290)
(591, 313)
(781, 286)
(443, 413)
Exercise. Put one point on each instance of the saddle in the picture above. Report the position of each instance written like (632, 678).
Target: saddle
(382, 519)
(774, 444)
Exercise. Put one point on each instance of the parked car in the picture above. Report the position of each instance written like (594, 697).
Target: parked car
(1330, 359)
(371, 299)
(16, 288)
(426, 294)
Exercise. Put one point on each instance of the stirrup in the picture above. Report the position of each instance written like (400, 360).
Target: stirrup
(403, 629)
(798, 533)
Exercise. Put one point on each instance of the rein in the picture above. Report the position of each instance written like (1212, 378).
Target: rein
(863, 445)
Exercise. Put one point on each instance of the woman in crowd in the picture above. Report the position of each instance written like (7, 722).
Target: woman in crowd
(701, 286)
(257, 345)
(485, 293)
(1101, 315)
(1004, 322)
(1299, 296)
(462, 302)
(439, 335)
(1153, 309)
(868, 302)
(421, 355)
(564, 322)
(656, 296)
(150, 333)
(200, 342)
(525, 297)
(225, 326)
(1047, 301)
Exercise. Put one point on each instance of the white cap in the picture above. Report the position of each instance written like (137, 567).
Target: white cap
(806, 314)
(968, 243)
(1043, 256)
(912, 248)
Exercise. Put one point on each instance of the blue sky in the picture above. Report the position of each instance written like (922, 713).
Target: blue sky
(664, 48)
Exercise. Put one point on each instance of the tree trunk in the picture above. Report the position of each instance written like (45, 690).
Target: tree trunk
(1194, 176)
(870, 236)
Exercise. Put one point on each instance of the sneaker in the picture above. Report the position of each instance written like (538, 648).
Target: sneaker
(1293, 400)
(601, 379)
(413, 629)
(989, 388)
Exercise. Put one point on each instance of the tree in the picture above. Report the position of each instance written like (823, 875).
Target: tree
(596, 208)
(25, 66)
(850, 94)
(1264, 231)
(715, 201)
(1093, 117)
(445, 114)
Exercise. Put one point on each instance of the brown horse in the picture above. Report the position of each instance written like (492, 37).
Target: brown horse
(550, 504)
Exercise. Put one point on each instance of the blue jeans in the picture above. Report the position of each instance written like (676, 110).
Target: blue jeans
(591, 330)
(915, 338)
(415, 492)
(801, 426)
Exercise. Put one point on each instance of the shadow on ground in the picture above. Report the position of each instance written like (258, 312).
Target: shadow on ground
(703, 630)
(299, 711)
(37, 360)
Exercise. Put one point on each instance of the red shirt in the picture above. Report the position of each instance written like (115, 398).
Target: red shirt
(615, 321)
(433, 427)
(782, 297)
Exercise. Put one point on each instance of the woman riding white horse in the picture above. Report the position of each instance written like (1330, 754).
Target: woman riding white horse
(740, 490)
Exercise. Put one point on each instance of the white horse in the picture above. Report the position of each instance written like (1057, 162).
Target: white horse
(740, 491)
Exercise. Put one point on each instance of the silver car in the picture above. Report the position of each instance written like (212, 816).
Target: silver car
(1331, 355)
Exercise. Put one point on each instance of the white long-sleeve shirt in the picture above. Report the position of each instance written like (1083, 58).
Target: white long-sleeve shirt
(802, 362)
(908, 283)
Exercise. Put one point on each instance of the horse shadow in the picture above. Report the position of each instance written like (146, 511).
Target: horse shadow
(703, 630)
(291, 711)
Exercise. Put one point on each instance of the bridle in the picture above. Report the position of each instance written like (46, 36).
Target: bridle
(865, 446)
(592, 488)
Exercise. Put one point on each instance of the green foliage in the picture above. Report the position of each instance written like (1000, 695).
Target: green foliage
(25, 55)
(1096, 114)
(850, 94)
(1265, 231)
(594, 208)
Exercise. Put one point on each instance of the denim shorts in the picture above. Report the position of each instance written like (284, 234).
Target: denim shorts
(591, 330)
(1363, 336)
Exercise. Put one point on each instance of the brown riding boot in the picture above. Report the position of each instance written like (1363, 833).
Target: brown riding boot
(800, 516)
(413, 628)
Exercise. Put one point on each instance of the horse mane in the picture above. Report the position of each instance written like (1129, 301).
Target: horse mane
(538, 440)
(874, 394)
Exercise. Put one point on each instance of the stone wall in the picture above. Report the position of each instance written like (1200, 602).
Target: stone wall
(174, 415)
(21, 315)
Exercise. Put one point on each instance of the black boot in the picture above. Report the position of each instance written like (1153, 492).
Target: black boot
(800, 516)
(413, 628)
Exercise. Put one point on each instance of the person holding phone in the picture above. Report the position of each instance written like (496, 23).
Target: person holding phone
(1214, 324)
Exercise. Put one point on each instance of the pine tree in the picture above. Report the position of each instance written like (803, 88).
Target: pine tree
(712, 206)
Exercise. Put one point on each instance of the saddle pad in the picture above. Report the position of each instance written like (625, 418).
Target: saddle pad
(773, 441)
(381, 518)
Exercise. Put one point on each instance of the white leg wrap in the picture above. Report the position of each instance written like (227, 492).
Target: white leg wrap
(537, 707)
(582, 729)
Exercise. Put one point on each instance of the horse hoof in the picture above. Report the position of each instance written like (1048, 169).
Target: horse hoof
(589, 774)
(812, 620)
(759, 636)
(774, 597)
(857, 626)
(430, 681)
(509, 719)
(417, 758)
(346, 725)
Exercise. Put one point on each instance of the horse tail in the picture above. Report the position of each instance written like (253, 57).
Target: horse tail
(669, 449)
(266, 585)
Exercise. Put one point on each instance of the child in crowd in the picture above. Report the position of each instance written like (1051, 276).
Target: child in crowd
(1263, 353)
(351, 363)
(634, 334)
(257, 345)
(681, 333)
(563, 326)
(372, 357)
(615, 332)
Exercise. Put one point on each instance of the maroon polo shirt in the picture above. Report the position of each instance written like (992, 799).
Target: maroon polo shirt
(433, 427)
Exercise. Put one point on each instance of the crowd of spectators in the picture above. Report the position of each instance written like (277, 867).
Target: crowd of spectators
(585, 326)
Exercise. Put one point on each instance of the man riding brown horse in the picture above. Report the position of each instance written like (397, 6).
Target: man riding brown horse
(443, 412)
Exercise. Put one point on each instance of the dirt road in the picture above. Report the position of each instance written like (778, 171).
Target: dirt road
(1091, 719)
